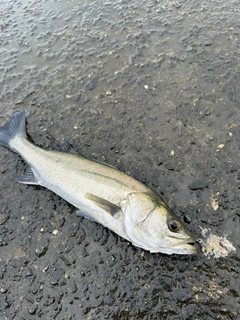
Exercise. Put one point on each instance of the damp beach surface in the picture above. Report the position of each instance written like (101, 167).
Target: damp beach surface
(151, 87)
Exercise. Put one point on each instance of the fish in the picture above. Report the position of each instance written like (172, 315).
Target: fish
(100, 192)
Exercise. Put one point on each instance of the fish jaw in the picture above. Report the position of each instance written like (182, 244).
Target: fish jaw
(184, 247)
(168, 245)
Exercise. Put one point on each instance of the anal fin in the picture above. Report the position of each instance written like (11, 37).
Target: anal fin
(28, 178)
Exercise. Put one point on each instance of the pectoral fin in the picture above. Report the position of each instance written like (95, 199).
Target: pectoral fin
(106, 205)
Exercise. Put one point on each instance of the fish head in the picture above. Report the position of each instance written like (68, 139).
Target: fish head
(152, 225)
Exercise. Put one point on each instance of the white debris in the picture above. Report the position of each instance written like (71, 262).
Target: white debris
(214, 204)
(215, 246)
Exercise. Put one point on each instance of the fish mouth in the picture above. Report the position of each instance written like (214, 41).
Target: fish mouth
(183, 246)
(186, 247)
(178, 246)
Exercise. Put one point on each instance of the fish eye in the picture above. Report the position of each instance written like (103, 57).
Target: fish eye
(174, 225)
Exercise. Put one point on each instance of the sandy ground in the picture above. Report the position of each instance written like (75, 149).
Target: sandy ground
(151, 87)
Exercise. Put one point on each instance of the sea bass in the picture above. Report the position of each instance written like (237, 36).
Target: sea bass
(101, 193)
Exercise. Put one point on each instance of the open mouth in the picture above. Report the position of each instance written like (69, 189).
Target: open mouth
(186, 245)
(184, 248)
(190, 241)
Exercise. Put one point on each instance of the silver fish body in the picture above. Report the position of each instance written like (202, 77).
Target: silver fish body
(101, 193)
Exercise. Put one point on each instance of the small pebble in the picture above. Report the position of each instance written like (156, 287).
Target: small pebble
(45, 268)
(198, 184)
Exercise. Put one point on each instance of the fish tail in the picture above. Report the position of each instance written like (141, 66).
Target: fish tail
(15, 126)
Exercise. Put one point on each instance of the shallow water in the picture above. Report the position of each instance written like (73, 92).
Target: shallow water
(153, 88)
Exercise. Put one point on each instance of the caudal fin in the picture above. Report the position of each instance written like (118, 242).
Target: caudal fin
(16, 125)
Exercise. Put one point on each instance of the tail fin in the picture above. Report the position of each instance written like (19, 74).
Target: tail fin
(16, 125)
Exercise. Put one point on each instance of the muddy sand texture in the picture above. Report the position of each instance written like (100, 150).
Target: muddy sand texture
(151, 87)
